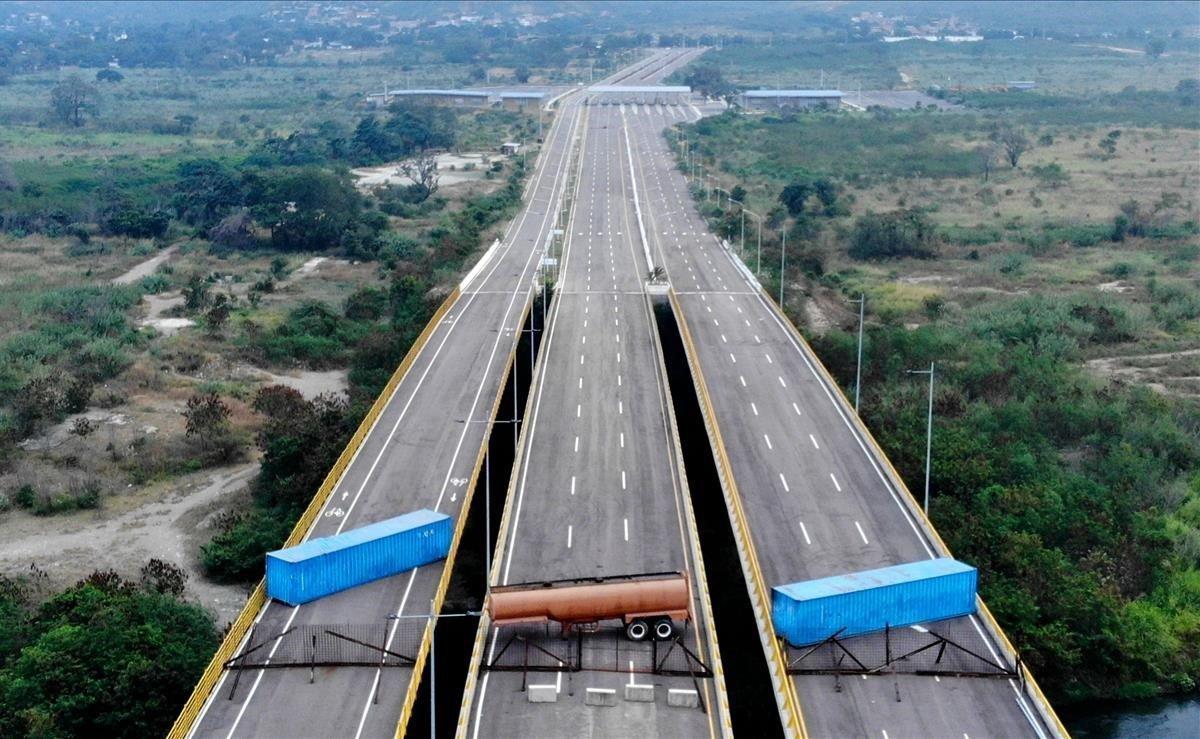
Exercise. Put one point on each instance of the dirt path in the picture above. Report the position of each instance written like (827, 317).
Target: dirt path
(166, 522)
(1169, 373)
(144, 269)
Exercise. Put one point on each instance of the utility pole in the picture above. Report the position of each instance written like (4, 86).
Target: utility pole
(782, 266)
(862, 304)
(928, 431)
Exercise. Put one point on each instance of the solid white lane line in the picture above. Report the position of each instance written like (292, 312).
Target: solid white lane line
(768, 440)
(783, 479)
(814, 441)
(804, 531)
(835, 482)
(858, 526)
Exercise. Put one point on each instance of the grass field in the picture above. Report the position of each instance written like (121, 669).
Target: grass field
(1057, 66)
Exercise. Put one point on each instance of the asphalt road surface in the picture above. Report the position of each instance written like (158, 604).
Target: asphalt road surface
(817, 500)
(599, 489)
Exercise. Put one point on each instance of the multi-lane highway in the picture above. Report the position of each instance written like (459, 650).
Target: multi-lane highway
(599, 489)
(417, 455)
(815, 495)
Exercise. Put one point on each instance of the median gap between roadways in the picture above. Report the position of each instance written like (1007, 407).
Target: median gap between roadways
(455, 636)
(747, 679)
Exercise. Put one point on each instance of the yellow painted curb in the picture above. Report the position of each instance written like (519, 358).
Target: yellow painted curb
(785, 694)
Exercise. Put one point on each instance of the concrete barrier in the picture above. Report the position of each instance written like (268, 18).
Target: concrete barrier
(600, 697)
(542, 693)
(683, 698)
(636, 693)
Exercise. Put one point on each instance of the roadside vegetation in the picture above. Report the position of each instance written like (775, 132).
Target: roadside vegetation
(1031, 245)
(199, 277)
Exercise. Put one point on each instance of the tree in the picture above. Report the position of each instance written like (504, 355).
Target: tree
(1051, 175)
(900, 233)
(309, 210)
(795, 195)
(235, 231)
(205, 192)
(218, 315)
(106, 658)
(708, 80)
(72, 100)
(207, 419)
(1155, 47)
(738, 193)
(986, 155)
(522, 74)
(1108, 144)
(1015, 143)
(423, 173)
(109, 75)
(195, 293)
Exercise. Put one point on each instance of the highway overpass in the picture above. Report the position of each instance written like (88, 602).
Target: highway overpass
(809, 492)
(412, 452)
(598, 490)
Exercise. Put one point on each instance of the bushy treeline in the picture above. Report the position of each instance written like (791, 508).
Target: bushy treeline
(1078, 499)
(107, 657)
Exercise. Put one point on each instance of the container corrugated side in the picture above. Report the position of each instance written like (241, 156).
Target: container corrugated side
(861, 603)
(320, 567)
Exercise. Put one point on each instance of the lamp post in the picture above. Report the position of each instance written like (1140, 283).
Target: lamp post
(782, 265)
(928, 430)
(862, 304)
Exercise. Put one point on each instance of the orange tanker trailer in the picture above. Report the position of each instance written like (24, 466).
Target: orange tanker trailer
(648, 605)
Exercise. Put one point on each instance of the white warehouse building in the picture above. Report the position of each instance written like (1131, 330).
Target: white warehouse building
(789, 99)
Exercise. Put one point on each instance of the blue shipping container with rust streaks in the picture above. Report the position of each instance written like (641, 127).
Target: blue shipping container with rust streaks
(860, 603)
(323, 566)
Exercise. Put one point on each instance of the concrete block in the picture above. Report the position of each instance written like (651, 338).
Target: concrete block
(600, 697)
(542, 693)
(683, 698)
(639, 693)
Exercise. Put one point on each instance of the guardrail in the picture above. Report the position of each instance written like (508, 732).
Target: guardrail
(1045, 710)
(241, 625)
(785, 694)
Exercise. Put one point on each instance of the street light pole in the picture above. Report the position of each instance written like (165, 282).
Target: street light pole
(782, 266)
(928, 431)
(862, 304)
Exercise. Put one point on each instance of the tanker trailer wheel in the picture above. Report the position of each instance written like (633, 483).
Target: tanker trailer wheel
(637, 630)
(664, 628)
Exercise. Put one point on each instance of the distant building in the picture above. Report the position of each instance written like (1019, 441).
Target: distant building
(452, 98)
(789, 99)
(634, 94)
(520, 100)
(1021, 85)
(510, 148)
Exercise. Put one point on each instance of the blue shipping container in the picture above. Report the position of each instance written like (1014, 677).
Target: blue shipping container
(860, 603)
(319, 567)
